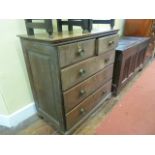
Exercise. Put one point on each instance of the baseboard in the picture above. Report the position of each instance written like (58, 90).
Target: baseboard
(18, 116)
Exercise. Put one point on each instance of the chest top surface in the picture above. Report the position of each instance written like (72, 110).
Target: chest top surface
(67, 36)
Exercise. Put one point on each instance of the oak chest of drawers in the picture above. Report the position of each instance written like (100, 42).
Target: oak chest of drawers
(70, 74)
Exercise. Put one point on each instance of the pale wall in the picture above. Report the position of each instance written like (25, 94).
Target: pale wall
(15, 91)
(3, 107)
(14, 85)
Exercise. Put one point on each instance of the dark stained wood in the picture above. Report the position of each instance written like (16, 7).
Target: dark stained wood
(74, 96)
(87, 105)
(84, 69)
(74, 52)
(129, 59)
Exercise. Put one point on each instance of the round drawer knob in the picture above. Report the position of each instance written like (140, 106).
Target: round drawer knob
(111, 42)
(80, 52)
(104, 92)
(82, 110)
(82, 72)
(106, 60)
(82, 92)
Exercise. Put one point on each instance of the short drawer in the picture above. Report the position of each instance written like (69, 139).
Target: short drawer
(87, 105)
(107, 43)
(75, 95)
(78, 72)
(71, 53)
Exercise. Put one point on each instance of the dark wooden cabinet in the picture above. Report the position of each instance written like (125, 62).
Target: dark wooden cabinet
(70, 74)
(130, 56)
(142, 28)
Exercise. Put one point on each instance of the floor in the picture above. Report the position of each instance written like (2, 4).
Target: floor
(37, 126)
(134, 114)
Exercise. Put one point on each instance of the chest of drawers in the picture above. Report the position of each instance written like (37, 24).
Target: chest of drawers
(70, 74)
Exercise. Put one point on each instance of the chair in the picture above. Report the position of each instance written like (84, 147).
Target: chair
(86, 24)
(83, 23)
(46, 24)
(93, 21)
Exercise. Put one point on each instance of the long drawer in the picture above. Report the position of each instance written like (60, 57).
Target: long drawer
(87, 105)
(107, 43)
(75, 95)
(74, 52)
(76, 73)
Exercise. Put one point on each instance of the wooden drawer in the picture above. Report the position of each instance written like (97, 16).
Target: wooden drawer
(82, 70)
(75, 95)
(87, 105)
(107, 43)
(71, 53)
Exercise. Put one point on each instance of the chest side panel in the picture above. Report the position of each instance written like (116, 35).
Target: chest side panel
(42, 66)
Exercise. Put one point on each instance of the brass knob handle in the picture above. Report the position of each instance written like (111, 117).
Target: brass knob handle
(80, 52)
(106, 60)
(82, 92)
(111, 42)
(104, 92)
(82, 72)
(82, 110)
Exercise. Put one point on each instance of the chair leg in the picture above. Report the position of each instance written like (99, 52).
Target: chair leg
(112, 23)
(49, 26)
(70, 25)
(59, 25)
(30, 31)
(85, 25)
(90, 25)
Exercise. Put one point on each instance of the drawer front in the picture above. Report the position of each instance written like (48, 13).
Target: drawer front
(71, 53)
(76, 73)
(75, 95)
(107, 43)
(87, 105)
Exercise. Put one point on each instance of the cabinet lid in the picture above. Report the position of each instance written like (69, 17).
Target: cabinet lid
(127, 42)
